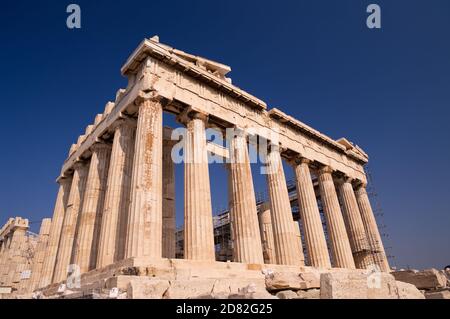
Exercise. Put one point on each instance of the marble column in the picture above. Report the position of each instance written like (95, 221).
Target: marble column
(372, 232)
(5, 259)
(286, 249)
(266, 231)
(86, 242)
(168, 222)
(8, 259)
(16, 257)
(198, 221)
(144, 235)
(69, 226)
(298, 240)
(340, 245)
(247, 241)
(224, 248)
(39, 254)
(316, 245)
(51, 251)
(354, 225)
(2, 256)
(117, 198)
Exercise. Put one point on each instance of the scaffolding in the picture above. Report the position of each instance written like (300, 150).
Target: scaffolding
(379, 215)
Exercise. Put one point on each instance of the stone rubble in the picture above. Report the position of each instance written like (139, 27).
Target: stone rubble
(425, 279)
(354, 285)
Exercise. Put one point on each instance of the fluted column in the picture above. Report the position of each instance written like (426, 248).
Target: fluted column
(286, 249)
(2, 256)
(15, 257)
(5, 259)
(51, 251)
(198, 222)
(144, 235)
(2, 249)
(69, 226)
(316, 245)
(247, 241)
(86, 242)
(354, 225)
(39, 255)
(169, 227)
(340, 245)
(266, 231)
(372, 232)
(298, 240)
(117, 198)
(8, 260)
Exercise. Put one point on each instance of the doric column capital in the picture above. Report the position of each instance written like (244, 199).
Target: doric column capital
(200, 116)
(79, 165)
(326, 170)
(96, 147)
(344, 179)
(124, 121)
(361, 189)
(239, 131)
(236, 135)
(152, 96)
(277, 147)
(190, 114)
(299, 160)
(360, 184)
(64, 180)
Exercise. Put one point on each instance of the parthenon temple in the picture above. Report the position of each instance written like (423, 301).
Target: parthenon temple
(115, 207)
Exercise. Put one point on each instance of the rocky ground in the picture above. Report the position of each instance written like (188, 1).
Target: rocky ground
(238, 281)
(430, 284)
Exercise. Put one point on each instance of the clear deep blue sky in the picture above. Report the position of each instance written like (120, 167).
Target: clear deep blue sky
(387, 90)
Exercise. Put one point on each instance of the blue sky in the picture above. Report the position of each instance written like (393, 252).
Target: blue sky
(387, 90)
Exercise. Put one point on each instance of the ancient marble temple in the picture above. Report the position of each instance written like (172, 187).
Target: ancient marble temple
(116, 198)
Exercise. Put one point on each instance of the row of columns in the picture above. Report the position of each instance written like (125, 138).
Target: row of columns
(112, 207)
(350, 228)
